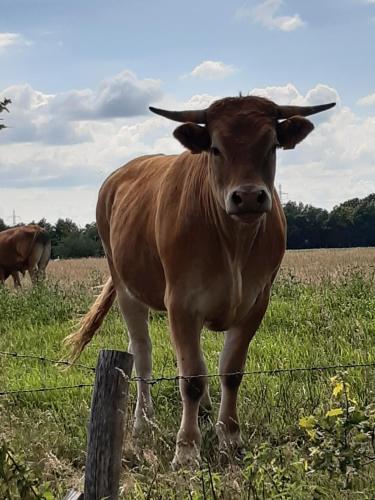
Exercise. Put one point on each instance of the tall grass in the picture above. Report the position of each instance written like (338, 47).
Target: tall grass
(329, 321)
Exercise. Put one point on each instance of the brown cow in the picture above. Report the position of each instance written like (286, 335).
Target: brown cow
(201, 235)
(24, 248)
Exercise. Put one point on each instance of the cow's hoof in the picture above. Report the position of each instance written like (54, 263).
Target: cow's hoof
(143, 423)
(231, 455)
(230, 445)
(142, 428)
(187, 456)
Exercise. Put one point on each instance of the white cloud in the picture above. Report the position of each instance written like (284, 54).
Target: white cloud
(57, 118)
(119, 96)
(31, 119)
(322, 93)
(200, 101)
(289, 94)
(286, 94)
(8, 40)
(368, 100)
(62, 178)
(212, 70)
(266, 14)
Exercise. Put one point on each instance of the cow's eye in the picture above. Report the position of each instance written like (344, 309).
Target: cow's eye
(215, 151)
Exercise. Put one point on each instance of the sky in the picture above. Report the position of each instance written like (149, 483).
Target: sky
(82, 73)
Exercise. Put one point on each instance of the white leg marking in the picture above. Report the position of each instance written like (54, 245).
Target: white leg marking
(136, 317)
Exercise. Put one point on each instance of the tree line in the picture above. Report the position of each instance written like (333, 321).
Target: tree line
(350, 224)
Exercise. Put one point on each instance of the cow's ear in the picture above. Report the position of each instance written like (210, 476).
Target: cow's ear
(293, 130)
(193, 137)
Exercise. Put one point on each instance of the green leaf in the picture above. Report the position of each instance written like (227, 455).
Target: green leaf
(335, 412)
(361, 438)
(338, 389)
(307, 422)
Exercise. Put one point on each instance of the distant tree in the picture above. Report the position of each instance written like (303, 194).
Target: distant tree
(59, 232)
(46, 225)
(65, 227)
(306, 225)
(3, 107)
(364, 222)
(77, 246)
(91, 232)
(350, 224)
(340, 229)
(2, 225)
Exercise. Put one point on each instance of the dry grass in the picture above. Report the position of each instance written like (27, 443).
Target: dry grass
(308, 266)
(311, 266)
(78, 270)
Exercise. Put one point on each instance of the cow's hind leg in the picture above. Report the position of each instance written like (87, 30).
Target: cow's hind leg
(185, 330)
(232, 363)
(33, 260)
(135, 315)
(16, 279)
(43, 261)
(205, 405)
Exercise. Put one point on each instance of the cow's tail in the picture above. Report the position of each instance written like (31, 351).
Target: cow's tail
(91, 321)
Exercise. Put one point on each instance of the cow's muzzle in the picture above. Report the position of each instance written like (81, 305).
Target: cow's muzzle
(248, 199)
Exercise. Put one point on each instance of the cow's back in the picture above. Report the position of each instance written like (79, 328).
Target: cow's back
(16, 245)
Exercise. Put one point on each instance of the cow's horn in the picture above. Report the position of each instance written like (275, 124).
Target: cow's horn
(196, 116)
(288, 111)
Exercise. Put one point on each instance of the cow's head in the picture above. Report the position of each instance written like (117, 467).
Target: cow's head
(241, 136)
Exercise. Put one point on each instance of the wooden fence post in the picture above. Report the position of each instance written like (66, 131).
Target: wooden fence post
(107, 425)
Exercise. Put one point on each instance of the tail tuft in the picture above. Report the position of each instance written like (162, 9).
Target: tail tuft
(90, 323)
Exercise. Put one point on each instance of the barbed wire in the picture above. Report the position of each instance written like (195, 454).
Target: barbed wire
(176, 378)
(43, 389)
(272, 372)
(46, 360)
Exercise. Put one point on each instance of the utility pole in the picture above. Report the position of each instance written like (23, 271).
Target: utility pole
(282, 194)
(14, 217)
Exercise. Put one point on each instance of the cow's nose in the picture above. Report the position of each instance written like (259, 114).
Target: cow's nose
(248, 199)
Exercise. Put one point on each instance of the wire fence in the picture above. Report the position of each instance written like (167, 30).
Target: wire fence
(46, 360)
(43, 389)
(175, 378)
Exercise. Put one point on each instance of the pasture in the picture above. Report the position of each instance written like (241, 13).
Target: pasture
(307, 434)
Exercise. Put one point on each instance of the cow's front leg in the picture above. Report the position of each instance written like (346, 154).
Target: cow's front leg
(232, 363)
(205, 405)
(185, 331)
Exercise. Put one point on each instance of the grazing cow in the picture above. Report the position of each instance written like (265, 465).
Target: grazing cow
(201, 235)
(24, 248)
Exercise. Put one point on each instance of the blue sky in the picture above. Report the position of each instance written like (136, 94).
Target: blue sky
(81, 75)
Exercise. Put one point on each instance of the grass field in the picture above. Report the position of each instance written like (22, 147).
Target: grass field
(302, 441)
